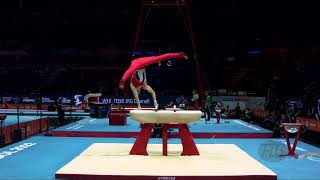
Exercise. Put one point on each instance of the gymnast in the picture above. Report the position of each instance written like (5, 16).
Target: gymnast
(137, 74)
(139, 81)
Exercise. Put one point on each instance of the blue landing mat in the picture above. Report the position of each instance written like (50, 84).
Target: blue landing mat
(102, 125)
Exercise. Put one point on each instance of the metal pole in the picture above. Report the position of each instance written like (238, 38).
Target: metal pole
(195, 54)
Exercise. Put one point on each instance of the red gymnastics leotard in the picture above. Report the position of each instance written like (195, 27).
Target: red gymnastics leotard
(141, 63)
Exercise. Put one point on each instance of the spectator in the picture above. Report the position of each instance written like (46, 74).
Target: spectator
(227, 111)
(195, 99)
(237, 111)
(218, 112)
(290, 113)
(247, 116)
(4, 104)
(208, 107)
(38, 102)
(284, 118)
(60, 111)
(17, 102)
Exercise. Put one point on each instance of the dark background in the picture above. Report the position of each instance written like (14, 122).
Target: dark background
(75, 46)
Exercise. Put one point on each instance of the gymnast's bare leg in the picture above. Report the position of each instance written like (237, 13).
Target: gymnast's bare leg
(153, 94)
(136, 92)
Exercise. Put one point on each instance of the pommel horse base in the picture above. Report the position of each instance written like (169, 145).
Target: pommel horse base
(167, 119)
(188, 145)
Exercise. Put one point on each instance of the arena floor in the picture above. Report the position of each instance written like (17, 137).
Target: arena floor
(41, 157)
(13, 119)
(227, 128)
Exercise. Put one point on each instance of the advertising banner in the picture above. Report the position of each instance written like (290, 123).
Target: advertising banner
(244, 101)
(77, 100)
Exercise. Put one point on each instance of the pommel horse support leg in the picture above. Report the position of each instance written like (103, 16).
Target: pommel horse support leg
(188, 145)
(141, 143)
(164, 139)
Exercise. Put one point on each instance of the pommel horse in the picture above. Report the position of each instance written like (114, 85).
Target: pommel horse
(167, 119)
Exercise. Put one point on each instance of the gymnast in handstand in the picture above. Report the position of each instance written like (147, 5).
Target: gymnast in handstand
(139, 81)
(137, 73)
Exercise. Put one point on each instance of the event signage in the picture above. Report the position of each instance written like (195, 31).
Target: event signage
(28, 100)
(231, 101)
(164, 100)
(65, 100)
(128, 101)
(16, 149)
(32, 100)
(77, 100)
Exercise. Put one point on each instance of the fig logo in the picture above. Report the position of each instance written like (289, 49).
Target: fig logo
(77, 100)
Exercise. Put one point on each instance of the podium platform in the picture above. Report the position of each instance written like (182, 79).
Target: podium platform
(118, 119)
(216, 161)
